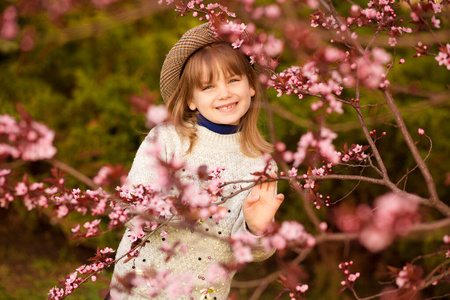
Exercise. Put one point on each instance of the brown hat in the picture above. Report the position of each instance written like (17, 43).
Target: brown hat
(192, 40)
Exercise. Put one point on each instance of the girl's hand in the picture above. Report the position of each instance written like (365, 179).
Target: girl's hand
(261, 205)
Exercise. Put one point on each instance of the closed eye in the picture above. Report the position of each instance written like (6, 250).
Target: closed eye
(235, 79)
(207, 87)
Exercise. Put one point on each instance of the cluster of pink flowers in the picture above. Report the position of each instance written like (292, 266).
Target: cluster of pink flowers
(38, 195)
(8, 23)
(259, 47)
(354, 153)
(146, 200)
(310, 80)
(73, 281)
(409, 277)
(6, 195)
(443, 58)
(26, 139)
(110, 176)
(350, 278)
(322, 143)
(33, 195)
(446, 240)
(156, 281)
(241, 243)
(296, 291)
(299, 289)
(290, 233)
(393, 215)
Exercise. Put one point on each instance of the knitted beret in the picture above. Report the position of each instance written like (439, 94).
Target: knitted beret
(192, 40)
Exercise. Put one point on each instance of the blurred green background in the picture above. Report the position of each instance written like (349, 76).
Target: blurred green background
(78, 81)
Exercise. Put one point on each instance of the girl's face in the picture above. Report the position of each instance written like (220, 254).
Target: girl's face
(223, 99)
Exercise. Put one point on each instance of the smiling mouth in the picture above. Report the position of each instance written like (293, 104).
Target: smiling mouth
(227, 107)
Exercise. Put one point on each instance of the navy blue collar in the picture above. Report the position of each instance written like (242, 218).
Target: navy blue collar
(217, 128)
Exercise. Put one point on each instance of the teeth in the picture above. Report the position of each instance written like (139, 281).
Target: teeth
(227, 107)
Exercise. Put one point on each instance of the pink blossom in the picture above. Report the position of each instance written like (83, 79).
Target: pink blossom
(102, 175)
(291, 230)
(353, 277)
(242, 253)
(381, 56)
(4, 201)
(9, 28)
(92, 227)
(302, 288)
(273, 46)
(4, 172)
(293, 172)
(273, 11)
(244, 237)
(392, 41)
(7, 150)
(196, 197)
(107, 250)
(420, 131)
(437, 7)
(62, 211)
(402, 279)
(216, 273)
(369, 13)
(156, 114)
(99, 208)
(21, 189)
(302, 146)
(333, 54)
(443, 58)
(56, 293)
(326, 146)
(375, 239)
(278, 241)
(76, 228)
(370, 72)
(435, 22)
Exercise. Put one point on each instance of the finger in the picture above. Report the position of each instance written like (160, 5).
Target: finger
(279, 198)
(252, 199)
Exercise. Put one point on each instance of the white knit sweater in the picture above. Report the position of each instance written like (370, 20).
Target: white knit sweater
(213, 150)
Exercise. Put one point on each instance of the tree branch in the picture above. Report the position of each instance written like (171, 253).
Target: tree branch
(434, 198)
(75, 173)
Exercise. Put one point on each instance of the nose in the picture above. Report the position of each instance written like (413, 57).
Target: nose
(223, 92)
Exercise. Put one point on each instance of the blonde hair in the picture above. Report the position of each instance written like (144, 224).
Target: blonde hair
(230, 61)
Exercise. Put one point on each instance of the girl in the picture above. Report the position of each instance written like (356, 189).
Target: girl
(213, 95)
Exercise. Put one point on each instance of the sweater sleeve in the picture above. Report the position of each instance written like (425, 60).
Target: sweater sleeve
(143, 171)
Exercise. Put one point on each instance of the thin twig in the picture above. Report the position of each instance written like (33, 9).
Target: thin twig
(351, 191)
(75, 173)
(416, 166)
(434, 198)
